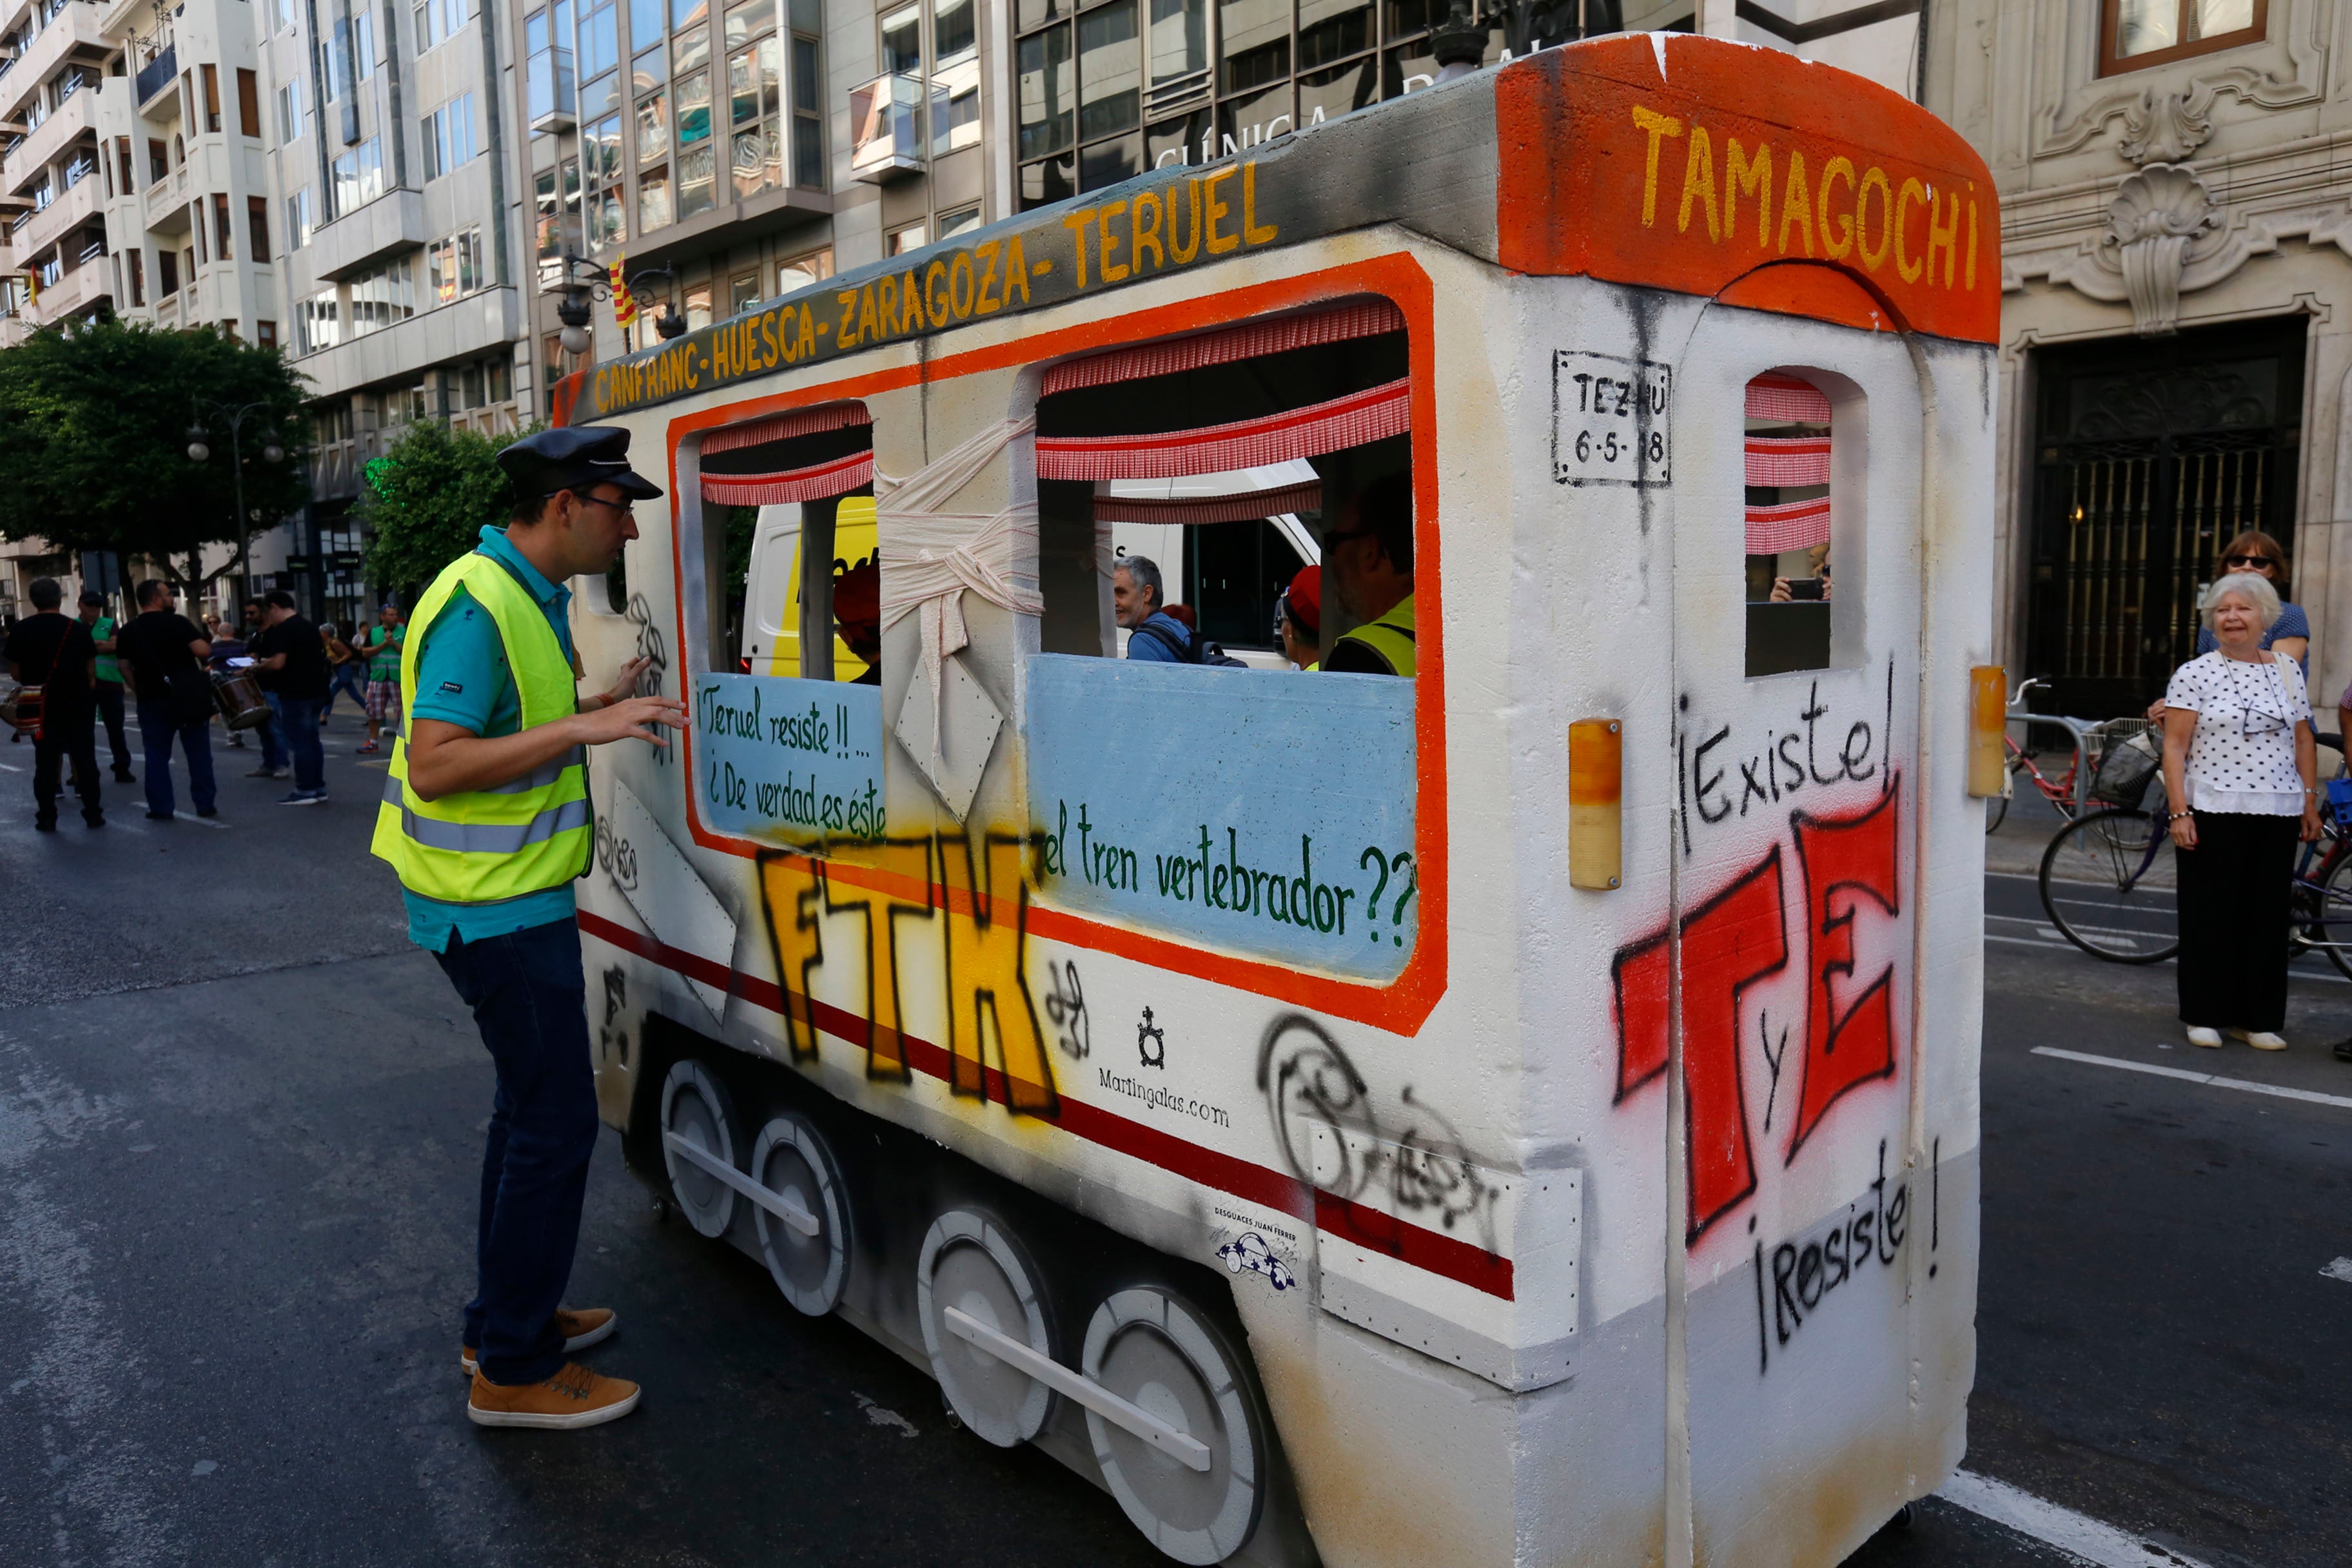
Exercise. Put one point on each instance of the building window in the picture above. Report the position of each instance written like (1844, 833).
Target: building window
(136, 261)
(438, 20)
(653, 200)
(454, 266)
(167, 274)
(742, 293)
(449, 136)
(600, 41)
(266, 334)
(808, 93)
(364, 46)
(318, 324)
(384, 298)
(958, 222)
(547, 41)
(2137, 34)
(248, 104)
(755, 120)
(256, 220)
(290, 112)
(301, 219)
(912, 237)
(698, 305)
(159, 160)
(221, 250)
(600, 149)
(552, 349)
(803, 272)
(211, 98)
(359, 177)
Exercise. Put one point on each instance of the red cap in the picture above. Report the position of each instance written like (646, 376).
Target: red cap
(1305, 596)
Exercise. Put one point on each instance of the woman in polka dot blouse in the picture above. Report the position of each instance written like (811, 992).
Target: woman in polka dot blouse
(2241, 770)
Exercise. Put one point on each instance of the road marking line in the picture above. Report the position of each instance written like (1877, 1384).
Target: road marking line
(2211, 1080)
(9, 768)
(2079, 1535)
(2339, 1269)
(200, 821)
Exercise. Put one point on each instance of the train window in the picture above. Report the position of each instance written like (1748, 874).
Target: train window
(1229, 461)
(1791, 580)
(787, 538)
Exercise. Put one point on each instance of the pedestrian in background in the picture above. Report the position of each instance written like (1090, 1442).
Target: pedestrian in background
(2257, 553)
(291, 657)
(161, 653)
(382, 645)
(274, 762)
(1299, 618)
(53, 651)
(344, 670)
(109, 681)
(2240, 783)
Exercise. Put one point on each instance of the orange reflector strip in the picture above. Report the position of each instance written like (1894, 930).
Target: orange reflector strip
(1988, 722)
(1596, 817)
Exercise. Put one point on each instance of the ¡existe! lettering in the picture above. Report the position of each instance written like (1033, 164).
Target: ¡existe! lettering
(1831, 217)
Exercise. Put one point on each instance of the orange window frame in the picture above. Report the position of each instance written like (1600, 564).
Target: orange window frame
(1399, 1006)
(2110, 15)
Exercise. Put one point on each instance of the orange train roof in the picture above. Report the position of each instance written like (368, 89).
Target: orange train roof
(1662, 159)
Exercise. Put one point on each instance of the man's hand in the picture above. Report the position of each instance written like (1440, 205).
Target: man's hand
(625, 687)
(624, 718)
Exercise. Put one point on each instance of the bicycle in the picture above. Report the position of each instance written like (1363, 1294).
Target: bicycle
(2108, 887)
(2068, 791)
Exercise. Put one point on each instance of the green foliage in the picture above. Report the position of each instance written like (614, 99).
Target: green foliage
(96, 453)
(426, 504)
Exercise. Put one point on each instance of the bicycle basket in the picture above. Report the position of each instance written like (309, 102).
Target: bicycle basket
(2128, 761)
(2339, 804)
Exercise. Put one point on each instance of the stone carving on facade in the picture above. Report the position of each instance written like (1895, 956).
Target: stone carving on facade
(2164, 128)
(2289, 69)
(2155, 216)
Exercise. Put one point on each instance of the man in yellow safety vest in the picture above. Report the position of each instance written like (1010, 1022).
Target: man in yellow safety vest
(1370, 557)
(486, 817)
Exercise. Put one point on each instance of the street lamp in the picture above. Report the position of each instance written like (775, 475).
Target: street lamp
(199, 450)
(573, 309)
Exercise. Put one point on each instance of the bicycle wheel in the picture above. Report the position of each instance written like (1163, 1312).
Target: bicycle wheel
(1996, 810)
(2324, 908)
(2106, 885)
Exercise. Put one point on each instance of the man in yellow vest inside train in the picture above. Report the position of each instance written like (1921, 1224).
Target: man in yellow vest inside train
(486, 817)
(1369, 557)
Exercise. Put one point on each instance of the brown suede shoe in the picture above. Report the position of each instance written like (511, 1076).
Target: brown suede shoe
(588, 1326)
(573, 1397)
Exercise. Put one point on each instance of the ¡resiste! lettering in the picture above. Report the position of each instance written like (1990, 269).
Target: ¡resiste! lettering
(1844, 212)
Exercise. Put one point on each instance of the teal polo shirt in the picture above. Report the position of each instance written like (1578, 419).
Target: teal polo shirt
(462, 678)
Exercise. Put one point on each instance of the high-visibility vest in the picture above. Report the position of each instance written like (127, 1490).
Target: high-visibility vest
(1390, 638)
(489, 846)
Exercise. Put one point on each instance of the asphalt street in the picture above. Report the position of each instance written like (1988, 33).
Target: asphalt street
(238, 1123)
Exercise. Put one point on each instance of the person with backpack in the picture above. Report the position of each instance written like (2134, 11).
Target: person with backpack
(1156, 634)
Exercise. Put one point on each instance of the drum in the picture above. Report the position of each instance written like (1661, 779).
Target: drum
(240, 699)
(20, 710)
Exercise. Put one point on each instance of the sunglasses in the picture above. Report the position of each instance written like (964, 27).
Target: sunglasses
(2245, 561)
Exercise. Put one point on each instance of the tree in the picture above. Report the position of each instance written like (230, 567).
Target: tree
(426, 498)
(96, 456)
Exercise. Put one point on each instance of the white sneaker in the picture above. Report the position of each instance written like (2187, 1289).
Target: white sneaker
(2261, 1039)
(2209, 1038)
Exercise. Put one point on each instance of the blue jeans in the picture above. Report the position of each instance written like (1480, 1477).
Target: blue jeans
(299, 717)
(273, 732)
(158, 722)
(531, 1001)
(346, 679)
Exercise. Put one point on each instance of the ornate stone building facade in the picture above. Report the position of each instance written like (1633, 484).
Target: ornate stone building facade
(2177, 229)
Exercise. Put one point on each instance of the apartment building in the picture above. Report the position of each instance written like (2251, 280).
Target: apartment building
(52, 234)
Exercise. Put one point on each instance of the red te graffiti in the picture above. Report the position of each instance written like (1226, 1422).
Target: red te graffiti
(1729, 943)
(1849, 1033)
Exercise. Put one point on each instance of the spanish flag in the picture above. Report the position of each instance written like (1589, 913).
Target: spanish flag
(625, 304)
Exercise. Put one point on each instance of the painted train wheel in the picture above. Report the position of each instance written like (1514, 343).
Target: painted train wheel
(695, 1107)
(971, 1263)
(1151, 1348)
(792, 1159)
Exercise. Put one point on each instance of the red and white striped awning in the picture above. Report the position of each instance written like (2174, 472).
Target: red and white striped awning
(1785, 400)
(838, 476)
(1357, 319)
(1374, 413)
(1247, 506)
(1787, 460)
(1793, 525)
(784, 426)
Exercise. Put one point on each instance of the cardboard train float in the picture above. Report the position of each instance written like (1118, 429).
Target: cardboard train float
(1524, 1113)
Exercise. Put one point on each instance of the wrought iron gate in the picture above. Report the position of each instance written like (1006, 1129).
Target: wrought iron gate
(2150, 456)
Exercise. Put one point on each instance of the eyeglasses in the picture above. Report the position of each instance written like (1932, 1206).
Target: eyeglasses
(2243, 560)
(626, 508)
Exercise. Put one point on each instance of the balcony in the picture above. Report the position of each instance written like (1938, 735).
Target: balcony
(548, 81)
(69, 211)
(75, 292)
(885, 127)
(394, 221)
(166, 202)
(158, 74)
(75, 118)
(73, 32)
(478, 324)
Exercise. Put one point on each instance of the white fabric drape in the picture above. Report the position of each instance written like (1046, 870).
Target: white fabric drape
(931, 556)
